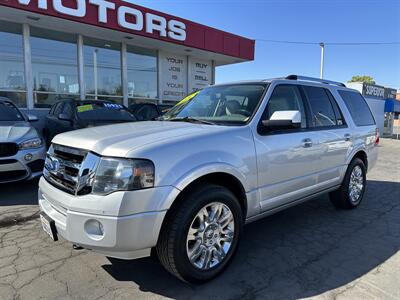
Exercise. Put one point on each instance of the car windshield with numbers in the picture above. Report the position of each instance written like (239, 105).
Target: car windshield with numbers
(103, 111)
(220, 105)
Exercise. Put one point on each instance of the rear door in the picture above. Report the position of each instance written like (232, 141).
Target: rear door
(332, 136)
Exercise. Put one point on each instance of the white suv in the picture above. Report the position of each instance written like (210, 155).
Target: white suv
(185, 185)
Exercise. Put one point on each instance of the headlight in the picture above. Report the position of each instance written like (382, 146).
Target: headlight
(30, 144)
(117, 174)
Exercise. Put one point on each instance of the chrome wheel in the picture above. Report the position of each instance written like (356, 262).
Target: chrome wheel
(210, 236)
(356, 184)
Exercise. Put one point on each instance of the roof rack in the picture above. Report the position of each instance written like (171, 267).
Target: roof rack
(305, 78)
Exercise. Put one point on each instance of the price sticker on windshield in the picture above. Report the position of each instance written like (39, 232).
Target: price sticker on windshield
(84, 108)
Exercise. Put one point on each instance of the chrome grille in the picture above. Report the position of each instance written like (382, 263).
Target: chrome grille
(70, 169)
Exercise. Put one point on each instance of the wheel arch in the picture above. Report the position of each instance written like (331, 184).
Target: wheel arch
(361, 154)
(224, 179)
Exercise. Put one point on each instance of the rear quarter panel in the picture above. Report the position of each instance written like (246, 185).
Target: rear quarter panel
(363, 137)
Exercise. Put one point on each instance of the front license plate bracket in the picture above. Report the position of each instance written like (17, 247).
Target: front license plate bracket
(49, 226)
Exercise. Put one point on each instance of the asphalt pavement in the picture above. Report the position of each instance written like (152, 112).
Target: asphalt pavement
(309, 251)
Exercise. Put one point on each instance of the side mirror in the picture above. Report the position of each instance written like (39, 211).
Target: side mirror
(32, 118)
(64, 117)
(285, 119)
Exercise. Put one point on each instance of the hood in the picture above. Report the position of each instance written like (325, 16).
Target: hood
(16, 132)
(120, 139)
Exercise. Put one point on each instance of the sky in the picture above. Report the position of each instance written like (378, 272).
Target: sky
(303, 21)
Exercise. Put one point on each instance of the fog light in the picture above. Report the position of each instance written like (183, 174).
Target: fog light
(28, 157)
(94, 229)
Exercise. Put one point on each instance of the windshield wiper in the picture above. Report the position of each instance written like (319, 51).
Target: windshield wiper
(191, 120)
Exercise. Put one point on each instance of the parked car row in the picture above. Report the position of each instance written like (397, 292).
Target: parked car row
(23, 148)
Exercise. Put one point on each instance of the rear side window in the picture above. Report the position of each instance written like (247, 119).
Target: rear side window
(358, 108)
(322, 113)
(339, 116)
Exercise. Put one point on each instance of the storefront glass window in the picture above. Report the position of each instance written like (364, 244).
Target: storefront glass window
(54, 66)
(102, 70)
(142, 73)
(12, 76)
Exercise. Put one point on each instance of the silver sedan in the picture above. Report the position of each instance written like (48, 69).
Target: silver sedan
(22, 151)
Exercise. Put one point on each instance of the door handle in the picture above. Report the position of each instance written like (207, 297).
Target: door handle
(347, 137)
(307, 143)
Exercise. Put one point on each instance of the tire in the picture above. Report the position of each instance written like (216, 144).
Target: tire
(342, 198)
(174, 244)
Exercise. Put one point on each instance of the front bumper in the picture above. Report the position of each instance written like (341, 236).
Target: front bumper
(128, 234)
(17, 168)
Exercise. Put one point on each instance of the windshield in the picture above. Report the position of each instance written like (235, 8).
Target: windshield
(228, 104)
(104, 111)
(8, 112)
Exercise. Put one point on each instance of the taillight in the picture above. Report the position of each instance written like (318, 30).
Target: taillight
(377, 135)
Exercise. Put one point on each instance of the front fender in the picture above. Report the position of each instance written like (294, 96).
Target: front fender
(210, 168)
(182, 182)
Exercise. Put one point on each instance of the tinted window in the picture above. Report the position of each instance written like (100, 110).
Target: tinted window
(58, 109)
(338, 113)
(68, 110)
(322, 113)
(146, 112)
(103, 111)
(286, 97)
(51, 112)
(9, 112)
(358, 108)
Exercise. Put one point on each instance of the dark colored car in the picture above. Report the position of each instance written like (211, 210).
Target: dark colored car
(145, 111)
(148, 111)
(70, 115)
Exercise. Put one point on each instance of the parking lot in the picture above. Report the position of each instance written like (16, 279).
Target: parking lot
(311, 250)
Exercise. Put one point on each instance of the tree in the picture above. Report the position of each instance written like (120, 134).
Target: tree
(363, 78)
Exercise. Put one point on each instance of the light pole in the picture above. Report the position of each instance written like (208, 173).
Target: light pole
(322, 60)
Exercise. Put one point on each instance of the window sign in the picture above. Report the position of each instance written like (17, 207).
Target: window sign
(200, 74)
(173, 76)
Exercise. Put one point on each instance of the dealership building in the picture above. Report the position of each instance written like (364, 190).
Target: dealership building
(107, 49)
